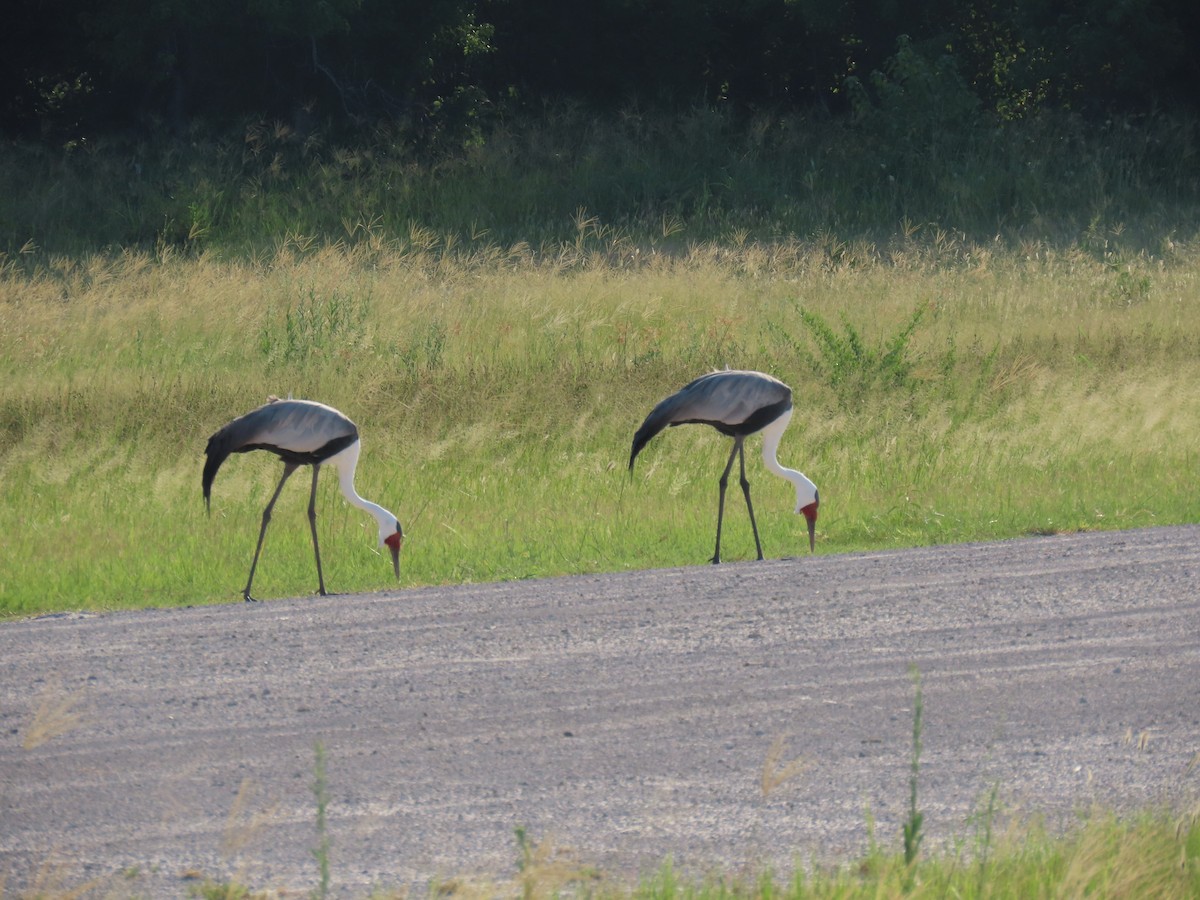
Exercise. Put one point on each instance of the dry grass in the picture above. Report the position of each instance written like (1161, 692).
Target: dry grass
(776, 772)
(55, 713)
(497, 389)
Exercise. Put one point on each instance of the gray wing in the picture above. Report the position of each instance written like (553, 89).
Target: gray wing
(297, 430)
(721, 399)
(727, 398)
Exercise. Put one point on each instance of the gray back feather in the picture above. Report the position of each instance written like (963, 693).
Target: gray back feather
(291, 428)
(719, 398)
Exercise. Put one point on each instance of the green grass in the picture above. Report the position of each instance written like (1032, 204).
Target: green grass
(702, 176)
(1155, 854)
(497, 392)
(1005, 341)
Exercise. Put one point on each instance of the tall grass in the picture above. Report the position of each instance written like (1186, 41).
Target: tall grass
(499, 322)
(704, 176)
(1151, 855)
(1154, 856)
(497, 392)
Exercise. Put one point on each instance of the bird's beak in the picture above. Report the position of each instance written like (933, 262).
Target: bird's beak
(394, 542)
(810, 513)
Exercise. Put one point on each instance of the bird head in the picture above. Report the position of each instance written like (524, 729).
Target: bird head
(808, 505)
(393, 542)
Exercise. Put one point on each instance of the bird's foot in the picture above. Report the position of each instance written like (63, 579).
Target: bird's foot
(249, 599)
(716, 560)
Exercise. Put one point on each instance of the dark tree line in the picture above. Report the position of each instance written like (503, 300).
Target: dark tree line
(79, 67)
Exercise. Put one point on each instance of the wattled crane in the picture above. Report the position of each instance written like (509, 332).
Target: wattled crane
(737, 404)
(300, 432)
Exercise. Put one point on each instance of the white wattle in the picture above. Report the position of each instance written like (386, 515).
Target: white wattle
(806, 491)
(346, 462)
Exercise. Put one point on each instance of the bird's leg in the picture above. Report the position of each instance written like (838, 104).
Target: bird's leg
(749, 506)
(288, 469)
(312, 524)
(737, 443)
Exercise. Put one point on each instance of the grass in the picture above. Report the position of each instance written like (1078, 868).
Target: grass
(320, 789)
(913, 835)
(1153, 855)
(995, 395)
(1002, 342)
(706, 175)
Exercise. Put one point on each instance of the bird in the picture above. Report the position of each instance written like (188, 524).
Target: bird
(737, 404)
(300, 432)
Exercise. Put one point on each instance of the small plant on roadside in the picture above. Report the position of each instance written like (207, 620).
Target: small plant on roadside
(545, 870)
(524, 847)
(320, 789)
(985, 822)
(912, 827)
(775, 771)
(220, 890)
(57, 713)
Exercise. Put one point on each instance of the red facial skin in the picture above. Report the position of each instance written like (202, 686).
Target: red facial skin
(394, 542)
(810, 513)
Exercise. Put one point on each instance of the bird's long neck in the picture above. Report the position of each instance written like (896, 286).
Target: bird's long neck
(806, 491)
(346, 462)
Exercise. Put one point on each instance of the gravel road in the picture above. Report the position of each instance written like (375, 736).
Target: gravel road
(625, 718)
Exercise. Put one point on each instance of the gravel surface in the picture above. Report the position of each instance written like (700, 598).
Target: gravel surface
(625, 718)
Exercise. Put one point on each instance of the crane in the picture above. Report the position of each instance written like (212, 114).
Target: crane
(737, 404)
(300, 432)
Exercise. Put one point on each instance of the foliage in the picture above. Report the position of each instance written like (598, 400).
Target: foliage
(77, 71)
(499, 319)
(847, 364)
(315, 329)
(663, 181)
(917, 109)
(497, 389)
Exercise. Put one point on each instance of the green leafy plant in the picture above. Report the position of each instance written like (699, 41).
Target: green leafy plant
(847, 362)
(315, 328)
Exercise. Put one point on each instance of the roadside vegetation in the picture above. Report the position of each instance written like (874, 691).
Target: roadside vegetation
(1003, 854)
(498, 339)
(1154, 855)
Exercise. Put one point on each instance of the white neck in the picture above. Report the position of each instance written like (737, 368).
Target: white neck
(806, 491)
(346, 462)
